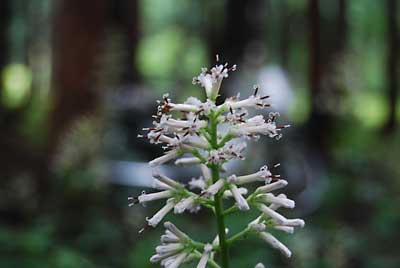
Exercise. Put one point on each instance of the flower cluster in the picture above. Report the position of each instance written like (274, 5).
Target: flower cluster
(210, 135)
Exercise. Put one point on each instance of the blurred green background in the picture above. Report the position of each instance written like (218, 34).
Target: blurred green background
(79, 80)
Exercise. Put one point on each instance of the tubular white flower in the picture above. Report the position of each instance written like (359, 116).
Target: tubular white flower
(242, 191)
(276, 206)
(206, 172)
(166, 106)
(191, 123)
(284, 202)
(198, 183)
(177, 261)
(183, 107)
(251, 102)
(268, 129)
(169, 237)
(232, 151)
(275, 243)
(184, 204)
(211, 80)
(155, 220)
(214, 188)
(187, 161)
(262, 175)
(286, 229)
(160, 185)
(164, 158)
(168, 181)
(259, 265)
(170, 248)
(174, 230)
(155, 196)
(258, 227)
(281, 220)
(295, 223)
(240, 200)
(206, 255)
(272, 186)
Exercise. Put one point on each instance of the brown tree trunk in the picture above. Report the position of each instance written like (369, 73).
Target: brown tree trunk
(78, 36)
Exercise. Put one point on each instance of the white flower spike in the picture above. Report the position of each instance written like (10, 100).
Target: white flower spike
(203, 134)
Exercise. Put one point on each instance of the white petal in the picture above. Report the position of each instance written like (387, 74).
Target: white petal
(284, 202)
(173, 229)
(242, 191)
(204, 258)
(154, 196)
(206, 172)
(240, 200)
(161, 214)
(169, 248)
(187, 161)
(164, 158)
(184, 204)
(295, 223)
(178, 260)
(183, 107)
(281, 220)
(166, 180)
(275, 243)
(286, 229)
(214, 188)
(272, 186)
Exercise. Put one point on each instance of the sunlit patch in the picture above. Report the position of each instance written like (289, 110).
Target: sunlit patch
(370, 109)
(16, 84)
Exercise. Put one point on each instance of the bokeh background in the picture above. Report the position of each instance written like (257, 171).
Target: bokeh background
(79, 80)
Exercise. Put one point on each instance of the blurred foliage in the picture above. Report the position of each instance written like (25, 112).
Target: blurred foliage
(82, 219)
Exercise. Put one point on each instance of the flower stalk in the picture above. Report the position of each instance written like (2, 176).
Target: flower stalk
(209, 136)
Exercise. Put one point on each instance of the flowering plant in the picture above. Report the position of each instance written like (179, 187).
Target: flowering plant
(210, 135)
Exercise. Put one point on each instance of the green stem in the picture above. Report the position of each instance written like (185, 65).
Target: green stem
(231, 210)
(218, 197)
(238, 236)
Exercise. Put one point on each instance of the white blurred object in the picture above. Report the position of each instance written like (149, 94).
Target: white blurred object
(274, 82)
(128, 173)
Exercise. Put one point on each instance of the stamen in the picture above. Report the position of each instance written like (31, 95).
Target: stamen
(134, 200)
(255, 90)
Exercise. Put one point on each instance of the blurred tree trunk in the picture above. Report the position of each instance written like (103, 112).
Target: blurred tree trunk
(285, 34)
(78, 37)
(230, 37)
(4, 27)
(392, 64)
(241, 24)
(4, 24)
(125, 16)
(327, 43)
(314, 51)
